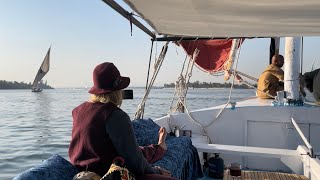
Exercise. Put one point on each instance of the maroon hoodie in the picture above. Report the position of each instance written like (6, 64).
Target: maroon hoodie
(91, 148)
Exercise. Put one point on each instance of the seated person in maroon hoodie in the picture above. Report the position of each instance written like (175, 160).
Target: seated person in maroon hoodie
(102, 131)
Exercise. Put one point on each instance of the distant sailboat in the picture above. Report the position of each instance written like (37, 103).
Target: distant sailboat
(43, 70)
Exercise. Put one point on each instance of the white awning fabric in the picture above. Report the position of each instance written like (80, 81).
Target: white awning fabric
(230, 18)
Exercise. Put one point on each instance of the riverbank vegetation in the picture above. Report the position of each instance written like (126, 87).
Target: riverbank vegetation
(21, 85)
(198, 84)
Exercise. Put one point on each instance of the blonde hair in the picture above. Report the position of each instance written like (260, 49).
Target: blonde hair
(114, 97)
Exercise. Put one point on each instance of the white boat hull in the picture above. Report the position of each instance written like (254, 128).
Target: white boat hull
(253, 122)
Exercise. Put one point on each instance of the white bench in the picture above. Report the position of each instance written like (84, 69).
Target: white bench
(292, 158)
(245, 150)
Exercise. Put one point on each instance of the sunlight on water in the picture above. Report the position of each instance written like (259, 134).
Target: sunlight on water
(35, 126)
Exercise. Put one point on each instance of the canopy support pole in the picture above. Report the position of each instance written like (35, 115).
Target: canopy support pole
(149, 65)
(179, 38)
(128, 16)
(292, 67)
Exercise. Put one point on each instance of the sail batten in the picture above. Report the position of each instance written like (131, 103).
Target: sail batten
(43, 70)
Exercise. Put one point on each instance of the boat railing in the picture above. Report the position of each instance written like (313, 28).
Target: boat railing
(303, 137)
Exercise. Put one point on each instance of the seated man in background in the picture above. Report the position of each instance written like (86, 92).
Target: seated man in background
(271, 80)
(312, 83)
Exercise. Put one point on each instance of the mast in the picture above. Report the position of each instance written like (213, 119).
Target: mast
(292, 67)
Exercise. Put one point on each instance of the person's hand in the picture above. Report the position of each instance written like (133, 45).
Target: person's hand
(163, 171)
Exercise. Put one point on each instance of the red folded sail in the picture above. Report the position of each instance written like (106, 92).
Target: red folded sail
(213, 53)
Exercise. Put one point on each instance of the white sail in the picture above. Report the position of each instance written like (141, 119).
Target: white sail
(43, 70)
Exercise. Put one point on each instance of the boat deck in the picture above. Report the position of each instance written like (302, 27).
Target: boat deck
(259, 175)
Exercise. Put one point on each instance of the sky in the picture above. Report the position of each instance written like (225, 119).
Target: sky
(85, 33)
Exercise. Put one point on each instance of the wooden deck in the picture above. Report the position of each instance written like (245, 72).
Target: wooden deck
(258, 175)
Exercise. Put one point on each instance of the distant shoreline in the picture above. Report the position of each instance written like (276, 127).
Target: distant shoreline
(14, 85)
(206, 85)
(8, 85)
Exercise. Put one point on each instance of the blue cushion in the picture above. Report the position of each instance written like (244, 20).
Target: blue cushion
(146, 131)
(181, 157)
(54, 168)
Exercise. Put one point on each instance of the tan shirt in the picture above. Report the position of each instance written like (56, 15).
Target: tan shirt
(269, 81)
(312, 80)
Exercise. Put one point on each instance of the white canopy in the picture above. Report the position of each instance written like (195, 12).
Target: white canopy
(230, 18)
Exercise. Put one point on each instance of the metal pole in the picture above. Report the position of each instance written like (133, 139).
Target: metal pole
(128, 16)
(301, 55)
(149, 64)
(179, 38)
(291, 67)
(302, 136)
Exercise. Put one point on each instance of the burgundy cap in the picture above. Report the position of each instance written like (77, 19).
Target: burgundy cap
(107, 78)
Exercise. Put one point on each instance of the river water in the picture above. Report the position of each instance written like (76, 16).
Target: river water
(35, 126)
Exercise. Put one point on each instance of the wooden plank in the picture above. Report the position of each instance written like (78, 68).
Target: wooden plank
(243, 175)
(246, 175)
(294, 177)
(279, 176)
(261, 175)
(250, 175)
(285, 176)
(226, 175)
(268, 176)
(274, 176)
(256, 175)
(265, 176)
(302, 177)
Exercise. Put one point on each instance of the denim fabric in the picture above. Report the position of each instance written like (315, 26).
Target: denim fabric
(54, 168)
(181, 157)
(146, 131)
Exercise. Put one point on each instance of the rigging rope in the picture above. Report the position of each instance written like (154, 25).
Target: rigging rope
(182, 85)
(252, 86)
(181, 88)
(140, 111)
(193, 119)
(231, 88)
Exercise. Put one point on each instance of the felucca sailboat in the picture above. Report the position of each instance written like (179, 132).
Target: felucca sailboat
(43, 70)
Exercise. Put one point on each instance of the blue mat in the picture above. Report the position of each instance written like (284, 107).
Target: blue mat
(181, 158)
(54, 168)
